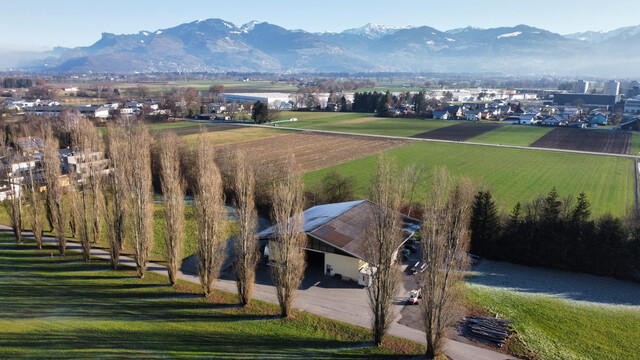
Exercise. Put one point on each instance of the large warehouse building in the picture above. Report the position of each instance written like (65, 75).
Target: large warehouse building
(337, 232)
(585, 99)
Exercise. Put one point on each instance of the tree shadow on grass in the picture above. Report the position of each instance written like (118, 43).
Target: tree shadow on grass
(152, 340)
(115, 315)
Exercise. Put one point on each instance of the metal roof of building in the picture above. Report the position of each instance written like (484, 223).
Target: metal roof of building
(344, 225)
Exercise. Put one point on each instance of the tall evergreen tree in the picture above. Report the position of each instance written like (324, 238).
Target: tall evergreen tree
(260, 112)
(582, 211)
(484, 224)
(551, 206)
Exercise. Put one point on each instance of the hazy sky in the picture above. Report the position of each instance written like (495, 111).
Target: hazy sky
(41, 24)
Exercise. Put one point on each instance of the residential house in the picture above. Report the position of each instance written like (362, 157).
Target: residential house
(93, 111)
(552, 121)
(441, 114)
(598, 119)
(503, 110)
(217, 108)
(127, 111)
(473, 116)
(455, 111)
(75, 162)
(30, 145)
(547, 111)
(521, 120)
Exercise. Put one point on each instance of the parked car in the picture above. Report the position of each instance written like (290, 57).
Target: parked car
(418, 267)
(411, 248)
(414, 297)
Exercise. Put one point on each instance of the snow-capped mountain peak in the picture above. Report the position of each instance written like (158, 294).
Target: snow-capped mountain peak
(374, 31)
(603, 35)
(249, 26)
(463, 30)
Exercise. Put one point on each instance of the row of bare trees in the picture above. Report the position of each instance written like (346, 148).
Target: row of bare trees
(116, 196)
(445, 242)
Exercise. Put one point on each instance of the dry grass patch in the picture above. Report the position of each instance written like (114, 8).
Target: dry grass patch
(312, 151)
(231, 134)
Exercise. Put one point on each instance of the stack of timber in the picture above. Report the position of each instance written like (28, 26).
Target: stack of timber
(488, 329)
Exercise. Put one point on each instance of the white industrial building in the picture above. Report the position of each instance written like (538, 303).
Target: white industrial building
(611, 87)
(580, 87)
(632, 106)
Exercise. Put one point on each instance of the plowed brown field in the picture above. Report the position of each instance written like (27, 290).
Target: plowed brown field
(312, 151)
(458, 132)
(604, 141)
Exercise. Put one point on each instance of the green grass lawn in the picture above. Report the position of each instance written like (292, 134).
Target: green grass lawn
(360, 123)
(390, 126)
(635, 143)
(512, 135)
(316, 120)
(514, 174)
(172, 125)
(557, 330)
(60, 307)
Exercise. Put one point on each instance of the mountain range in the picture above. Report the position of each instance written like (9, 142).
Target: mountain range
(215, 45)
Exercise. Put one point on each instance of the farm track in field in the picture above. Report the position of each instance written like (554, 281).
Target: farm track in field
(458, 132)
(604, 141)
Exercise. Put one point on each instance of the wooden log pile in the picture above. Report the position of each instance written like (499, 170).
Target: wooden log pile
(488, 329)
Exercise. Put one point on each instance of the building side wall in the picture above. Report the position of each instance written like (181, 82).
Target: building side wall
(343, 265)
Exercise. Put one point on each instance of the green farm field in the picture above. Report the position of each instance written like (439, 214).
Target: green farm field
(317, 120)
(514, 175)
(361, 123)
(61, 307)
(635, 144)
(512, 135)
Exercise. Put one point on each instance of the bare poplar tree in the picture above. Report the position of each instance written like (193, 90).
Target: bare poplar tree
(141, 202)
(36, 204)
(411, 178)
(245, 245)
(116, 201)
(85, 194)
(173, 190)
(287, 248)
(211, 215)
(77, 209)
(13, 204)
(52, 173)
(384, 235)
(445, 243)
